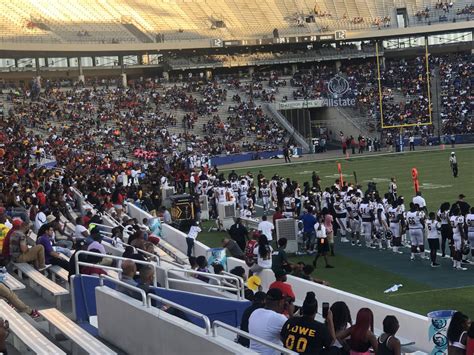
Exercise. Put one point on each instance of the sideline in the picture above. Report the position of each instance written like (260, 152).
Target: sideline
(237, 166)
(428, 291)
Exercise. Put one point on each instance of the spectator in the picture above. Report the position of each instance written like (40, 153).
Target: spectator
(147, 276)
(266, 323)
(93, 259)
(279, 257)
(470, 340)
(51, 256)
(263, 253)
(129, 271)
(80, 232)
(13, 299)
(305, 335)
(266, 228)
(387, 343)
(342, 320)
(361, 333)
(192, 236)
(233, 248)
(258, 302)
(286, 290)
(250, 257)
(218, 270)
(79, 245)
(4, 332)
(457, 333)
(202, 267)
(239, 233)
(40, 218)
(20, 253)
(166, 215)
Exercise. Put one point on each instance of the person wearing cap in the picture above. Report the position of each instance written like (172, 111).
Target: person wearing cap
(453, 162)
(420, 201)
(285, 289)
(258, 302)
(304, 335)
(19, 251)
(267, 322)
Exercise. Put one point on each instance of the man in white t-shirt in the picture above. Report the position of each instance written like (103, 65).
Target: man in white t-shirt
(80, 232)
(266, 323)
(420, 201)
(266, 228)
(40, 218)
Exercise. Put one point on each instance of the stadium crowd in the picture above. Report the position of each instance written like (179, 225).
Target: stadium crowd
(84, 126)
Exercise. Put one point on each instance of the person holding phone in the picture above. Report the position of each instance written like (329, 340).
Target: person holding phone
(303, 334)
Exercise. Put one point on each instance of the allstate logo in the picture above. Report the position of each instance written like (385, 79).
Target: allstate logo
(338, 86)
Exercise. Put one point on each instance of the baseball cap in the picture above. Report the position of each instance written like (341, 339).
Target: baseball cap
(17, 222)
(274, 294)
(50, 218)
(280, 273)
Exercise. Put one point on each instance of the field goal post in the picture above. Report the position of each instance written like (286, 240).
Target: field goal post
(421, 121)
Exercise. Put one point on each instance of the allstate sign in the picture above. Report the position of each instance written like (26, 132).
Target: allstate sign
(338, 87)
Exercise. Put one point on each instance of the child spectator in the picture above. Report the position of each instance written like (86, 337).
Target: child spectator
(387, 343)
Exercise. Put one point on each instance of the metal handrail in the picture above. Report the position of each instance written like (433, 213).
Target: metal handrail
(216, 324)
(138, 249)
(84, 252)
(206, 320)
(126, 285)
(238, 288)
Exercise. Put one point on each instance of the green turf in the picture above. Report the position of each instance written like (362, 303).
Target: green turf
(364, 277)
(436, 182)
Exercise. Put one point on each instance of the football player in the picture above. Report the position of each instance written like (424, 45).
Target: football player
(415, 222)
(457, 224)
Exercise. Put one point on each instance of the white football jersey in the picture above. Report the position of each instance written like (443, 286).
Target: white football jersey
(457, 222)
(414, 220)
(433, 229)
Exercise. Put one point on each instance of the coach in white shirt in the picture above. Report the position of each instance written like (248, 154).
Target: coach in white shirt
(266, 228)
(420, 201)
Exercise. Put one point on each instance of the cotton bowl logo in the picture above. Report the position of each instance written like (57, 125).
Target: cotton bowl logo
(338, 86)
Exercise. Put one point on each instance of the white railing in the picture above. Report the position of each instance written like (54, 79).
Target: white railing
(78, 263)
(238, 288)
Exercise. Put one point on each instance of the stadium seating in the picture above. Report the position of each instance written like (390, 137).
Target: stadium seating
(119, 21)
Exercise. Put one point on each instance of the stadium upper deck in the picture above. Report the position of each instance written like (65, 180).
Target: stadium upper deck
(145, 21)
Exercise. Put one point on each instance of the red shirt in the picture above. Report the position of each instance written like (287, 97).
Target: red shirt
(285, 289)
(276, 216)
(470, 346)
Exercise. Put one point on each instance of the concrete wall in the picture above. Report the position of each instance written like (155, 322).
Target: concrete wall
(136, 329)
(336, 122)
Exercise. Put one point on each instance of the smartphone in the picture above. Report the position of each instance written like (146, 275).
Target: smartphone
(325, 309)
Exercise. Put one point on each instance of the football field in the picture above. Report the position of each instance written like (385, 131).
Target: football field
(369, 272)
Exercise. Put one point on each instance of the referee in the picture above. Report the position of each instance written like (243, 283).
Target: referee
(454, 164)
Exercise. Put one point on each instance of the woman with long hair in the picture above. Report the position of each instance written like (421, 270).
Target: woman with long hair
(263, 252)
(361, 333)
(457, 334)
(342, 320)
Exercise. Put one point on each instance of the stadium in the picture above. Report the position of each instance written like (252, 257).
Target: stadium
(236, 177)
